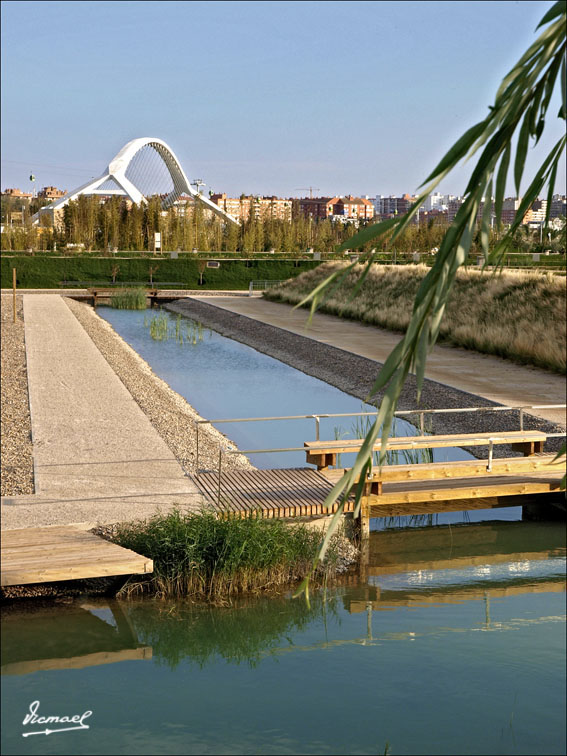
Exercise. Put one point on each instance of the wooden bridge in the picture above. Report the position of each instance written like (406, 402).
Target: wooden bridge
(395, 489)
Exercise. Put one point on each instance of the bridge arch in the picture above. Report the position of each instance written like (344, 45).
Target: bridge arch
(122, 177)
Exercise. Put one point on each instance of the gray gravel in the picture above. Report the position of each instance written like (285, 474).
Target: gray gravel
(17, 459)
(169, 413)
(356, 375)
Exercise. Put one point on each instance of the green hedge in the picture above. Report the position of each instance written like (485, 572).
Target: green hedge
(48, 272)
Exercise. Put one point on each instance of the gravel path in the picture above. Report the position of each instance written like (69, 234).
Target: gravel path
(17, 459)
(355, 374)
(169, 413)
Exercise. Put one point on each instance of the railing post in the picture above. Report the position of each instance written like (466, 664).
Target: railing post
(317, 426)
(422, 423)
(250, 288)
(490, 452)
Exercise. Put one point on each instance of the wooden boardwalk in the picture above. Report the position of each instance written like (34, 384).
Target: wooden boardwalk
(302, 491)
(45, 555)
(271, 493)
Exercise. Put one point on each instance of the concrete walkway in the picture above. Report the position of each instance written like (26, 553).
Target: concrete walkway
(97, 457)
(491, 377)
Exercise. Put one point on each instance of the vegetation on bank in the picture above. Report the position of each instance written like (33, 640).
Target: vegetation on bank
(41, 272)
(517, 315)
(129, 299)
(199, 555)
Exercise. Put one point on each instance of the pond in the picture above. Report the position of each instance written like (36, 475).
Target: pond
(222, 378)
(451, 640)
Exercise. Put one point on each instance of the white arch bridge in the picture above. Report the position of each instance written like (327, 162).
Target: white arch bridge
(144, 167)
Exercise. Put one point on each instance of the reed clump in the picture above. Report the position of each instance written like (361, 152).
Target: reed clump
(129, 299)
(202, 556)
(515, 314)
(184, 331)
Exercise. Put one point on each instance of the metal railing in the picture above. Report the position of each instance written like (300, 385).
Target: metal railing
(261, 285)
(400, 413)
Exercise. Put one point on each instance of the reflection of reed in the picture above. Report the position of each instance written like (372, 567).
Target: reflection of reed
(242, 632)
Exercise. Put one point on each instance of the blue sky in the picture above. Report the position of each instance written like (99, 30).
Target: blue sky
(255, 97)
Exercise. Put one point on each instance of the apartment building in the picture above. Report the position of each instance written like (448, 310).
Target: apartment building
(339, 208)
(317, 208)
(388, 207)
(558, 206)
(51, 193)
(261, 208)
(17, 194)
(353, 208)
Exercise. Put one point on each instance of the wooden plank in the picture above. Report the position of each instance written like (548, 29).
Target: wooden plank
(36, 556)
(262, 485)
(460, 469)
(462, 488)
(47, 575)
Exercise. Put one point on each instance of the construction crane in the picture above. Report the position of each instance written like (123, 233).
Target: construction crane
(305, 188)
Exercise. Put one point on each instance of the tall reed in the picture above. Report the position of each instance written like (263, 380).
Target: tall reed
(182, 330)
(129, 299)
(197, 554)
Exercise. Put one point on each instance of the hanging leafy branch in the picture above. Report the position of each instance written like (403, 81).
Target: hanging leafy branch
(521, 104)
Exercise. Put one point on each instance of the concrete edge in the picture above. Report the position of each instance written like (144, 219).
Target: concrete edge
(36, 490)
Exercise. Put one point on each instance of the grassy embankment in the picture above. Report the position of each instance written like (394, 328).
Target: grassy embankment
(202, 556)
(517, 315)
(43, 272)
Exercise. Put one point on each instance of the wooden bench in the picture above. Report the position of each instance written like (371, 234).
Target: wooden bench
(324, 453)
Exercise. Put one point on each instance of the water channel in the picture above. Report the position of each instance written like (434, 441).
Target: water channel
(222, 378)
(449, 640)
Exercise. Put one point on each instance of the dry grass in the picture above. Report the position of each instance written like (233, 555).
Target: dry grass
(517, 315)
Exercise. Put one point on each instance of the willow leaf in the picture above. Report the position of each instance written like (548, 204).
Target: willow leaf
(501, 183)
(521, 152)
(368, 234)
(551, 187)
(457, 151)
(485, 222)
(557, 9)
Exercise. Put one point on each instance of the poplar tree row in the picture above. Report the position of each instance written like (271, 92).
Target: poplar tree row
(117, 225)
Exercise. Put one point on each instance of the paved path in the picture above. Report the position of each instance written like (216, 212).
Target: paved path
(484, 375)
(97, 457)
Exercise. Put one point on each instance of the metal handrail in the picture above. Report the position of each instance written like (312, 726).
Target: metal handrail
(412, 444)
(400, 413)
(317, 417)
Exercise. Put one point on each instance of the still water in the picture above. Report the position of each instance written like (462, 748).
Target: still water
(222, 378)
(451, 640)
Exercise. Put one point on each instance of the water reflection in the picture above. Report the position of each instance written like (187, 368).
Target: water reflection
(415, 568)
(40, 638)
